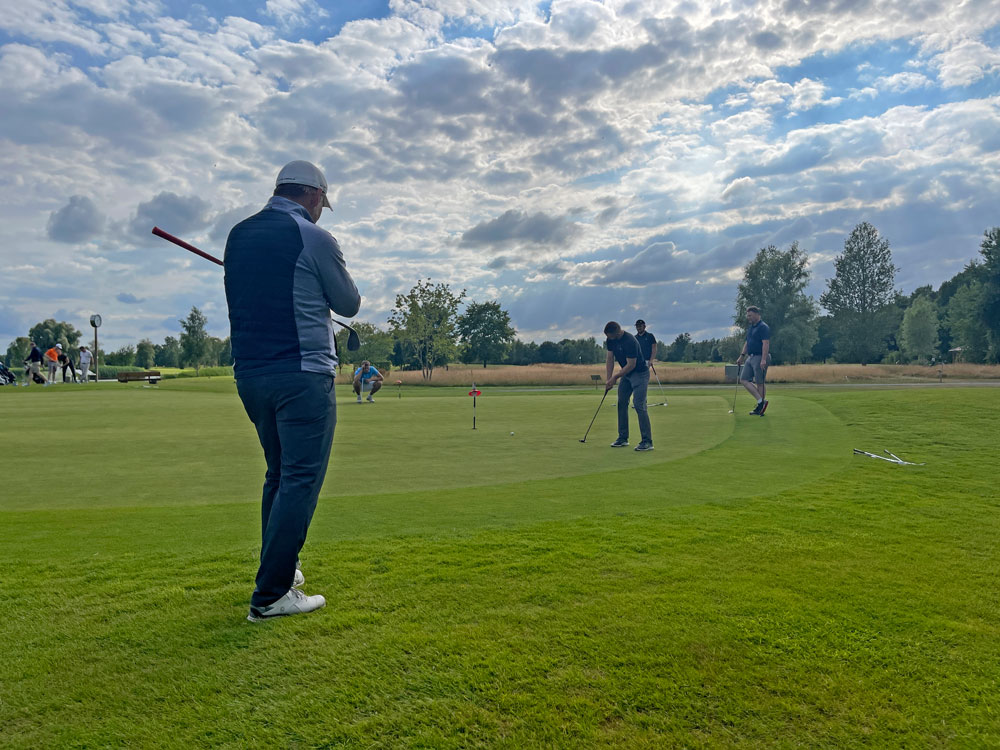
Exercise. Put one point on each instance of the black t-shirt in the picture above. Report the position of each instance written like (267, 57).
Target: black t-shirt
(757, 334)
(648, 343)
(625, 348)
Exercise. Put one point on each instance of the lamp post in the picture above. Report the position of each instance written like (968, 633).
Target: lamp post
(95, 321)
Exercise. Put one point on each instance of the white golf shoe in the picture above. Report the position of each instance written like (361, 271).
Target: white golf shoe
(359, 398)
(299, 579)
(292, 603)
(371, 400)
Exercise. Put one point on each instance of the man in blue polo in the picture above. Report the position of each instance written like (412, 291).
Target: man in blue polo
(367, 378)
(633, 382)
(756, 349)
(283, 277)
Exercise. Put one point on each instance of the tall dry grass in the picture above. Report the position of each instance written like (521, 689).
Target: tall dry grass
(679, 374)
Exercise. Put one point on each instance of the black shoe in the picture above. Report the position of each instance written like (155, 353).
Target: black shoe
(756, 411)
(763, 409)
(619, 443)
(644, 446)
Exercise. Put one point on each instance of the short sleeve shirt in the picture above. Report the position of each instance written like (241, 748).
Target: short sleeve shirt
(625, 348)
(366, 376)
(756, 336)
(648, 343)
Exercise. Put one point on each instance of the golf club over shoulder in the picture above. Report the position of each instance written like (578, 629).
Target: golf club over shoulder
(353, 340)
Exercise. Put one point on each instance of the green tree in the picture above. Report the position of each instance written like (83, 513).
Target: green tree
(376, 345)
(48, 333)
(145, 354)
(860, 295)
(522, 353)
(826, 339)
(17, 352)
(194, 340)
(423, 321)
(965, 323)
(918, 332)
(168, 354)
(990, 305)
(485, 331)
(677, 351)
(213, 350)
(775, 281)
(549, 351)
(122, 357)
(225, 358)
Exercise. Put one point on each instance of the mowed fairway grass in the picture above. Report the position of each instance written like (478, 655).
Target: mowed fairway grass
(750, 583)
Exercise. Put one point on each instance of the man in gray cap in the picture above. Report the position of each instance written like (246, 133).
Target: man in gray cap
(283, 277)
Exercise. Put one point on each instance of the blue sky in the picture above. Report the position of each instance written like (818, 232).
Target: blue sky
(578, 161)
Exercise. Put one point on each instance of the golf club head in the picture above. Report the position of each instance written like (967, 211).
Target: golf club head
(583, 440)
(353, 342)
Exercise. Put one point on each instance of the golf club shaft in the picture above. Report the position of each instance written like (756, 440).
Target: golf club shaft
(181, 243)
(188, 246)
(737, 391)
(606, 390)
(658, 383)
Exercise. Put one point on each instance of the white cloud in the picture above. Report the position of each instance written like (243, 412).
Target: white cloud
(638, 143)
(294, 13)
(905, 81)
(965, 62)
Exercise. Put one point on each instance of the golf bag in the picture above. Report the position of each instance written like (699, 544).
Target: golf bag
(36, 377)
(6, 376)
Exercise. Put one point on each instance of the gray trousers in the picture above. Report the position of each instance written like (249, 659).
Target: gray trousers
(634, 385)
(295, 415)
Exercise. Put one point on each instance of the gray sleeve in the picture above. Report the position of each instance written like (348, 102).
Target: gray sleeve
(322, 252)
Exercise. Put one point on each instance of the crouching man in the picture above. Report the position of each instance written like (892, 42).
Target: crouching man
(367, 378)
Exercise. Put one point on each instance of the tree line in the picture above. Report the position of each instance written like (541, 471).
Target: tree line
(866, 320)
(192, 348)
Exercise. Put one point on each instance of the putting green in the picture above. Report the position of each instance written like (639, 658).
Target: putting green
(189, 443)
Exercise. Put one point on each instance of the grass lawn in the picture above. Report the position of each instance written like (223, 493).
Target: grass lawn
(748, 583)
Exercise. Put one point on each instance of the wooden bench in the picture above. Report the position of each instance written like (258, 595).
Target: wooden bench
(153, 376)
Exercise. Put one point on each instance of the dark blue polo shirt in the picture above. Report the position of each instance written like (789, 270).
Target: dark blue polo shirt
(648, 343)
(756, 336)
(625, 348)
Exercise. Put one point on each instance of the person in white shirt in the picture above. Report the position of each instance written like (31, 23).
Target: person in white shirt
(86, 357)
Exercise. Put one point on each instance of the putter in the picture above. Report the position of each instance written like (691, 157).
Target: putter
(662, 392)
(353, 342)
(736, 392)
(606, 389)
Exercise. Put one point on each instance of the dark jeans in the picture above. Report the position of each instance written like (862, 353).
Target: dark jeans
(295, 415)
(634, 385)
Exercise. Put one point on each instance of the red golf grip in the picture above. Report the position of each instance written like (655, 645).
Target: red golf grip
(178, 241)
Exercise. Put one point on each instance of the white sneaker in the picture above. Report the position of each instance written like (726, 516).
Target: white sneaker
(371, 400)
(292, 603)
(299, 579)
(359, 399)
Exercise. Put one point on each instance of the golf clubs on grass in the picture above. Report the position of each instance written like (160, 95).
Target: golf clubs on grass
(584, 439)
(353, 342)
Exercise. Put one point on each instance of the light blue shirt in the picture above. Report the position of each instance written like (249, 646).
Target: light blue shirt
(365, 377)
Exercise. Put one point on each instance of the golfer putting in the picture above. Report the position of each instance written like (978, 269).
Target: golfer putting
(283, 277)
(633, 383)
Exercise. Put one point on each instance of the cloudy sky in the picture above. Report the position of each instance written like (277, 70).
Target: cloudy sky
(578, 161)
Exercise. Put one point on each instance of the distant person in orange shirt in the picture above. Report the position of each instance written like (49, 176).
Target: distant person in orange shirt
(52, 359)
